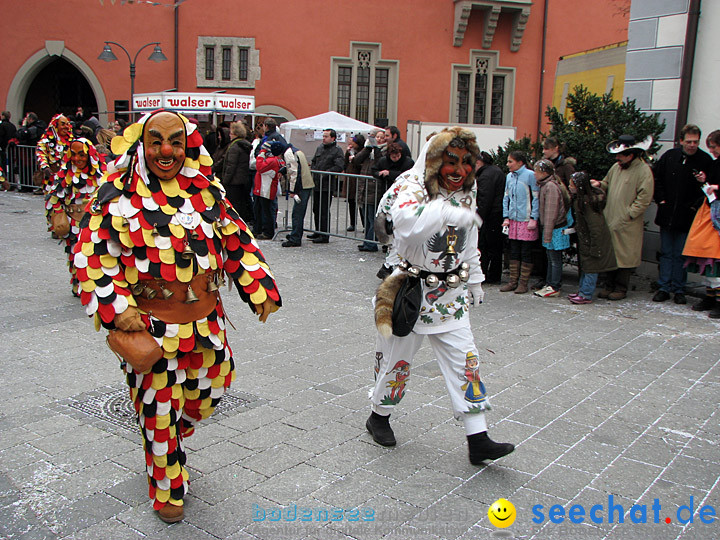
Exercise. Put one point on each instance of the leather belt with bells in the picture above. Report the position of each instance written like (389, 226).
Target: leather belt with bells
(453, 278)
(176, 302)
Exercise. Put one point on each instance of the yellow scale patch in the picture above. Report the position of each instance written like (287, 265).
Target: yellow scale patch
(184, 274)
(88, 249)
(95, 222)
(148, 237)
(185, 331)
(208, 198)
(178, 231)
(249, 259)
(171, 188)
(167, 256)
(131, 274)
(259, 296)
(108, 261)
(142, 190)
(94, 273)
(170, 344)
(159, 380)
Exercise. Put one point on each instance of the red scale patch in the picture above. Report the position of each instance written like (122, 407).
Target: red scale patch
(213, 371)
(177, 481)
(177, 243)
(107, 312)
(136, 201)
(167, 271)
(153, 254)
(137, 238)
(198, 202)
(187, 344)
(162, 435)
(150, 423)
(158, 473)
(214, 327)
(160, 198)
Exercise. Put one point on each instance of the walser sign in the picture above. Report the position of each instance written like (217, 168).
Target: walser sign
(194, 102)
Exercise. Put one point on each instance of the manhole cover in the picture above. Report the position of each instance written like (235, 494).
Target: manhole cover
(115, 407)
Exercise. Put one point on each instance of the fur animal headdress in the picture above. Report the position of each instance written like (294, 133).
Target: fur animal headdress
(455, 137)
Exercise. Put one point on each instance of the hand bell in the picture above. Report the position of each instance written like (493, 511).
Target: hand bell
(190, 296)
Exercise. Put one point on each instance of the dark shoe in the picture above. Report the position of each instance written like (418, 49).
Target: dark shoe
(384, 272)
(263, 236)
(365, 248)
(715, 312)
(605, 293)
(481, 447)
(290, 243)
(680, 298)
(351, 228)
(320, 240)
(706, 304)
(617, 295)
(661, 296)
(313, 236)
(379, 428)
(171, 513)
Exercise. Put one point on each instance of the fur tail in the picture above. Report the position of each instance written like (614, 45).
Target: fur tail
(384, 301)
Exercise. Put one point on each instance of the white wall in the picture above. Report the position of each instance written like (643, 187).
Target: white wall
(705, 90)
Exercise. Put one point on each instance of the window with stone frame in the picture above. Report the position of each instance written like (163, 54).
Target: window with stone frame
(482, 91)
(364, 85)
(226, 62)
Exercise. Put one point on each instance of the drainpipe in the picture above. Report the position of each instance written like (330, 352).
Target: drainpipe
(542, 70)
(176, 10)
(687, 66)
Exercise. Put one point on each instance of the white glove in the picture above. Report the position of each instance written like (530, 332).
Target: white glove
(476, 293)
(460, 216)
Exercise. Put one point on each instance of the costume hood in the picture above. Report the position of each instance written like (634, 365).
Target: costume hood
(433, 157)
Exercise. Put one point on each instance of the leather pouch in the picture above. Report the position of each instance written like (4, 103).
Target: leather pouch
(139, 349)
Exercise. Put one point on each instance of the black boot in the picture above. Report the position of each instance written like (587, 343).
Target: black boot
(379, 428)
(481, 447)
(706, 304)
(715, 311)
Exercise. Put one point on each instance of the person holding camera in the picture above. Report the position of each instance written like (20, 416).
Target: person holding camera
(678, 195)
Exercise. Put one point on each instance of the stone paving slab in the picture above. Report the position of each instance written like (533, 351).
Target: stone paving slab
(604, 400)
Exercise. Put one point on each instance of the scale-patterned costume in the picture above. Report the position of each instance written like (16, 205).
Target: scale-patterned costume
(140, 230)
(70, 193)
(49, 154)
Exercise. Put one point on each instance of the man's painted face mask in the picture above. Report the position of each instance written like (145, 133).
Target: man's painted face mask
(164, 140)
(78, 155)
(64, 127)
(456, 166)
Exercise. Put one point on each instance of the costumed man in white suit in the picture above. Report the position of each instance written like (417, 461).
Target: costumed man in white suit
(435, 230)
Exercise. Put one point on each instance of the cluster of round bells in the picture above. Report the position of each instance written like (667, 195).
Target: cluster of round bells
(452, 280)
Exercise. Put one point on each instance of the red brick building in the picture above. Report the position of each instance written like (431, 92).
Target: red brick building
(381, 62)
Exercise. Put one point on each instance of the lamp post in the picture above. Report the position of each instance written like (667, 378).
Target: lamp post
(108, 55)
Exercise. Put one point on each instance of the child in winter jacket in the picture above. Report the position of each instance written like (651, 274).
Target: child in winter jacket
(267, 178)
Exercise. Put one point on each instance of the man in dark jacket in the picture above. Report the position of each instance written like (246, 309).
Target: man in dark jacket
(236, 172)
(678, 196)
(392, 135)
(7, 132)
(328, 157)
(490, 191)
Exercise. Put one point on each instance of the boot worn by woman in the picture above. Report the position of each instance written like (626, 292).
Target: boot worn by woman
(525, 271)
(171, 513)
(482, 447)
(514, 273)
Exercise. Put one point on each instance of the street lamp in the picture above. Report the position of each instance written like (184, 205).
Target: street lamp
(108, 55)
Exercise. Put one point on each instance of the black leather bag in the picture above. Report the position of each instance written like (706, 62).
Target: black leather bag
(406, 308)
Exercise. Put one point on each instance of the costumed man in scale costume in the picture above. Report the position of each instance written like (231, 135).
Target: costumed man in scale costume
(435, 232)
(50, 151)
(157, 241)
(76, 183)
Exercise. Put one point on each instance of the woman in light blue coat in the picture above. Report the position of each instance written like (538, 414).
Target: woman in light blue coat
(521, 209)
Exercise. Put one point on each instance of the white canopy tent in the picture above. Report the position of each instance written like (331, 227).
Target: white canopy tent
(306, 133)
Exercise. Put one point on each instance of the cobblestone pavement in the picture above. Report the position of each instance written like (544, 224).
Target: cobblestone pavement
(610, 404)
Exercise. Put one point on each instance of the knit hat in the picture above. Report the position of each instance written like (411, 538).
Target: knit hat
(359, 139)
(277, 148)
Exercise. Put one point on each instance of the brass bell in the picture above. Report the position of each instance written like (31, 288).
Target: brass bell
(150, 293)
(432, 281)
(154, 231)
(222, 280)
(194, 235)
(190, 296)
(212, 285)
(464, 275)
(167, 293)
(137, 288)
(451, 249)
(452, 281)
(188, 252)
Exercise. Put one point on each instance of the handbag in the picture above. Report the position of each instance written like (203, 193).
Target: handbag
(406, 308)
(60, 223)
(139, 349)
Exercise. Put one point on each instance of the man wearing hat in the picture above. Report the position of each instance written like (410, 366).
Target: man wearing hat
(629, 188)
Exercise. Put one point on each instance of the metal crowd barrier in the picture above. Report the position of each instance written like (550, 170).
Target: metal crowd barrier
(20, 166)
(339, 209)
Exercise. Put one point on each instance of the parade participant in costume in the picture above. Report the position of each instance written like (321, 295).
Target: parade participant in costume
(158, 240)
(435, 231)
(77, 181)
(51, 148)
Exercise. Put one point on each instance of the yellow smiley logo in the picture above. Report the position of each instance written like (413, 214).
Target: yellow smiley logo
(502, 513)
